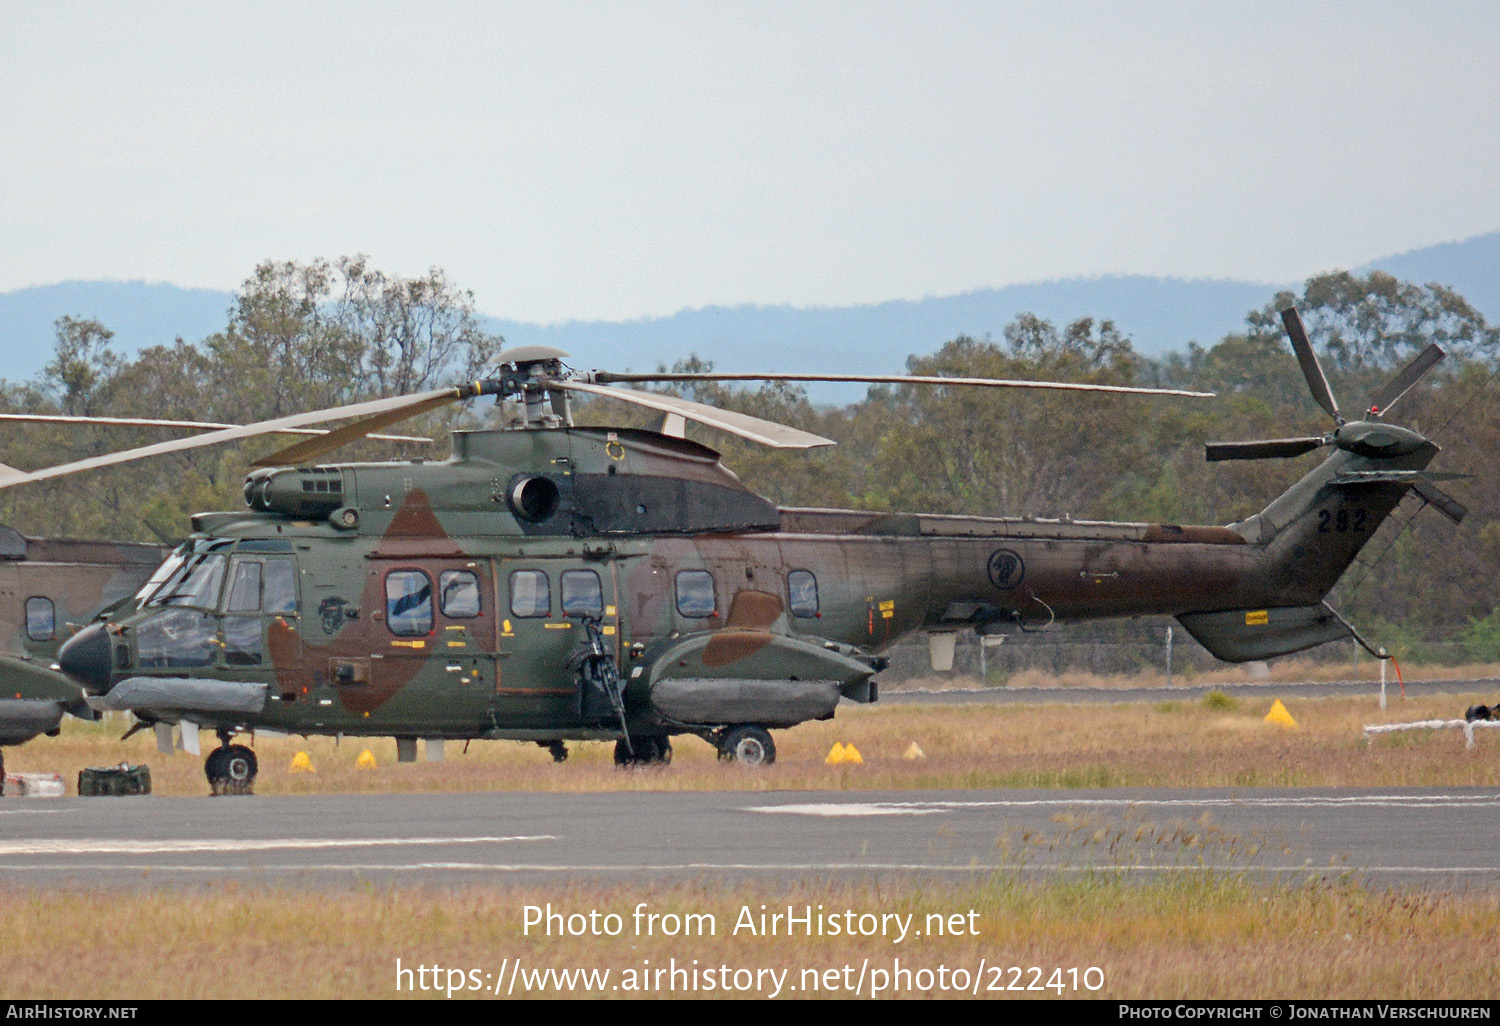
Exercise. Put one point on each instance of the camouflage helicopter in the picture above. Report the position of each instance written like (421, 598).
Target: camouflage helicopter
(49, 586)
(556, 582)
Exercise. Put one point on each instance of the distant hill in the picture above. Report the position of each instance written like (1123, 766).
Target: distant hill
(140, 314)
(1471, 268)
(1159, 314)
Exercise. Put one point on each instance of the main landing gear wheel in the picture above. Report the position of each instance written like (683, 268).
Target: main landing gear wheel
(650, 750)
(231, 769)
(749, 745)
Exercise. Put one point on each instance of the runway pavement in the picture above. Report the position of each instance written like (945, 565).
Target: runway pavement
(1428, 838)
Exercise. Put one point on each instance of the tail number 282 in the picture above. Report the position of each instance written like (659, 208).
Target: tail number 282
(1342, 521)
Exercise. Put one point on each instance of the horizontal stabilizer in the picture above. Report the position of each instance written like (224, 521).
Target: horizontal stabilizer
(1268, 449)
(1355, 477)
(1242, 635)
(1440, 500)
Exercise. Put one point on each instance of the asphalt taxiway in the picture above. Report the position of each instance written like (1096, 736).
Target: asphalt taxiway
(1423, 837)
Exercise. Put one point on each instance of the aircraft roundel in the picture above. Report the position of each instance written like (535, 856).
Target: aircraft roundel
(1006, 569)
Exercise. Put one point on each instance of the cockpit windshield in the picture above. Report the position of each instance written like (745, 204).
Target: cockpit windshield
(194, 581)
(167, 569)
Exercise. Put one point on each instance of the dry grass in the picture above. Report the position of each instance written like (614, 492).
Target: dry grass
(1289, 670)
(1187, 742)
(1186, 935)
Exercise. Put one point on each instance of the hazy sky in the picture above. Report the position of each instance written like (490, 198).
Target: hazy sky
(611, 160)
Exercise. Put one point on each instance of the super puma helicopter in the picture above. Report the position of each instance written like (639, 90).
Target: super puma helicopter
(556, 582)
(51, 585)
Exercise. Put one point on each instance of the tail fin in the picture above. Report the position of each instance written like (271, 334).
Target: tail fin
(1315, 529)
(1311, 533)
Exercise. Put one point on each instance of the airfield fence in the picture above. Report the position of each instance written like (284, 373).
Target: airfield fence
(1139, 647)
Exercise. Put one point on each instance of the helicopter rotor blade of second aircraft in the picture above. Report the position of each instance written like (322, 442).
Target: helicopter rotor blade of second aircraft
(402, 405)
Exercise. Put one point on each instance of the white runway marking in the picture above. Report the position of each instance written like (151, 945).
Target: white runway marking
(31, 812)
(84, 847)
(1432, 801)
(850, 809)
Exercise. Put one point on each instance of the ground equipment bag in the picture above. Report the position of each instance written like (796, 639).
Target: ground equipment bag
(114, 780)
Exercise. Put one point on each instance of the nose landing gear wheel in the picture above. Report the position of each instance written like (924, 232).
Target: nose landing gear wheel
(749, 745)
(231, 769)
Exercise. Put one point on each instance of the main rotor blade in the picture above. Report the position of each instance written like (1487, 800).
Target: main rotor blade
(766, 432)
(1409, 376)
(1441, 501)
(405, 405)
(1269, 449)
(607, 377)
(338, 437)
(1311, 369)
(189, 425)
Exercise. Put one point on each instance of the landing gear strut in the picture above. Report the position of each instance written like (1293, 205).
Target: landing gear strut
(231, 769)
(649, 750)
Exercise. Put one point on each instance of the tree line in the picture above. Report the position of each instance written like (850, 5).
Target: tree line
(308, 335)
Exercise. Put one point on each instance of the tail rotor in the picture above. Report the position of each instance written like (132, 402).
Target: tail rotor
(1369, 436)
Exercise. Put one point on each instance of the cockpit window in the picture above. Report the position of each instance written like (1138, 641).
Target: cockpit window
(280, 586)
(195, 583)
(244, 588)
(265, 584)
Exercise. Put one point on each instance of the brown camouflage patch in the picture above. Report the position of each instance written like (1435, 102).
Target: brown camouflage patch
(731, 646)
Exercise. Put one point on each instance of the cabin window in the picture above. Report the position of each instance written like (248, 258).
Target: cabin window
(41, 619)
(582, 594)
(695, 593)
(408, 602)
(460, 594)
(802, 593)
(530, 593)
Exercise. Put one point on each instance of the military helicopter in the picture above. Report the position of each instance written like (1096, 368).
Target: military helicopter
(50, 586)
(556, 582)
(45, 583)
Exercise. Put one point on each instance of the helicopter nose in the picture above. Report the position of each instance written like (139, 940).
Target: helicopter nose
(85, 658)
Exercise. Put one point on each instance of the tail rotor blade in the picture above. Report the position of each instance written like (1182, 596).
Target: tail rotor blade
(1268, 449)
(1441, 501)
(1317, 383)
(1403, 382)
